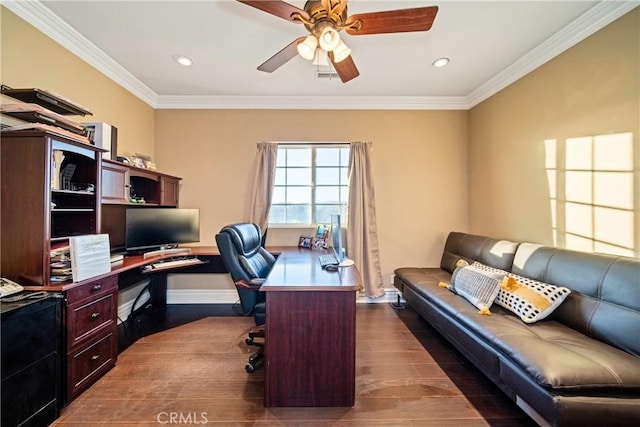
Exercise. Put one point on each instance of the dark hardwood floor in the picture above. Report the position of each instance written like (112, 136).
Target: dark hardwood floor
(193, 374)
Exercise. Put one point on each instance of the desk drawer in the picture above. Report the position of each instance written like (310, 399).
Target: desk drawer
(92, 289)
(90, 318)
(91, 362)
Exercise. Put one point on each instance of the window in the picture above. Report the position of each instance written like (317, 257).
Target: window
(311, 183)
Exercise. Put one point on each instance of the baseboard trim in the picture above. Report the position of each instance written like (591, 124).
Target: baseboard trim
(390, 295)
(230, 296)
(202, 296)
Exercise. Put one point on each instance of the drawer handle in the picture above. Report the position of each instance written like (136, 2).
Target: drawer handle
(95, 357)
(97, 287)
(95, 315)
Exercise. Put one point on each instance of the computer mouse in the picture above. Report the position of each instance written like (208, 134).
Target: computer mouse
(331, 268)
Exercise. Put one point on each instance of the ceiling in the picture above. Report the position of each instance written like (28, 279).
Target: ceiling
(490, 45)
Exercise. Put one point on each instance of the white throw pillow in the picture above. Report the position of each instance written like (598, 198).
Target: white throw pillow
(476, 285)
(529, 299)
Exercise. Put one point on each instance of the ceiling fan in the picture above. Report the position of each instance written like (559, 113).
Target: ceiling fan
(324, 19)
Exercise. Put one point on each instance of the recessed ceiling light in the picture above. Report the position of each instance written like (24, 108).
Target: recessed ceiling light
(183, 60)
(440, 62)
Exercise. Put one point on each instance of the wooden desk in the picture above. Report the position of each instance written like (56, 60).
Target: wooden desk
(310, 332)
(90, 314)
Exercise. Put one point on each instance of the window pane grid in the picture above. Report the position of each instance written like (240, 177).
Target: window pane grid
(311, 184)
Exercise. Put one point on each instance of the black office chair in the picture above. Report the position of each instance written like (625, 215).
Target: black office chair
(248, 264)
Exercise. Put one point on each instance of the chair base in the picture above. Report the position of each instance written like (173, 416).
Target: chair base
(256, 360)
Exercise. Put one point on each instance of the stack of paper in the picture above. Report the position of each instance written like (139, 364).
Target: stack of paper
(90, 256)
(60, 263)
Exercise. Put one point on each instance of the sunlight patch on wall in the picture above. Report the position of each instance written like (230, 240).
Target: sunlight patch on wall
(591, 192)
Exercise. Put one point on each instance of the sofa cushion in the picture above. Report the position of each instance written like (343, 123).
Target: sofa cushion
(553, 354)
(478, 286)
(489, 251)
(604, 302)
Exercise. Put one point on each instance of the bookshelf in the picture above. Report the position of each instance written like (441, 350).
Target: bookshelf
(120, 182)
(41, 205)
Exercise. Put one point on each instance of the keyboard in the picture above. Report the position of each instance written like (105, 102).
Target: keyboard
(328, 259)
(162, 265)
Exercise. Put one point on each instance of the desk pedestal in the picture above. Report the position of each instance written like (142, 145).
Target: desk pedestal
(310, 348)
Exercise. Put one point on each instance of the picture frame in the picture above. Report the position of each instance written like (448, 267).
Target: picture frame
(138, 162)
(321, 236)
(148, 164)
(305, 242)
(143, 161)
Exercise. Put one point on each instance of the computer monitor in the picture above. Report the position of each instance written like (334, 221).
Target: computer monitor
(150, 228)
(336, 242)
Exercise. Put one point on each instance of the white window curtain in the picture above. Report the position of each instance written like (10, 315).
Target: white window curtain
(264, 178)
(362, 231)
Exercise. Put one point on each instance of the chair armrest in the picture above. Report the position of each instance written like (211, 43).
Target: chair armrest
(249, 285)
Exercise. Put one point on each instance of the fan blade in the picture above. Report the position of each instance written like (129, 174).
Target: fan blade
(277, 8)
(282, 57)
(393, 21)
(346, 68)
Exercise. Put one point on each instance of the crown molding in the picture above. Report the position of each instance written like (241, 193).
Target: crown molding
(312, 102)
(588, 23)
(36, 14)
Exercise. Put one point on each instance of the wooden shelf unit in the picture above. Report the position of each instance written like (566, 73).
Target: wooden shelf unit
(157, 189)
(40, 209)
(36, 211)
(119, 180)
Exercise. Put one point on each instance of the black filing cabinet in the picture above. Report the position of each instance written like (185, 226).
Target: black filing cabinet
(31, 362)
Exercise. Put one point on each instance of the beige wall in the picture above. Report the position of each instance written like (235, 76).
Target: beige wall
(591, 89)
(435, 171)
(420, 169)
(214, 150)
(31, 59)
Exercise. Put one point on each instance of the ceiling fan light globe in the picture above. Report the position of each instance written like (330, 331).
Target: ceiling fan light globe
(440, 62)
(341, 52)
(329, 38)
(307, 47)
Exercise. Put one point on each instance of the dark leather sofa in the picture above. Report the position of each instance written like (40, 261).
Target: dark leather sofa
(578, 367)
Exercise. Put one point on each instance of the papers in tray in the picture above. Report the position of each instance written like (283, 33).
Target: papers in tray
(38, 114)
(53, 129)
